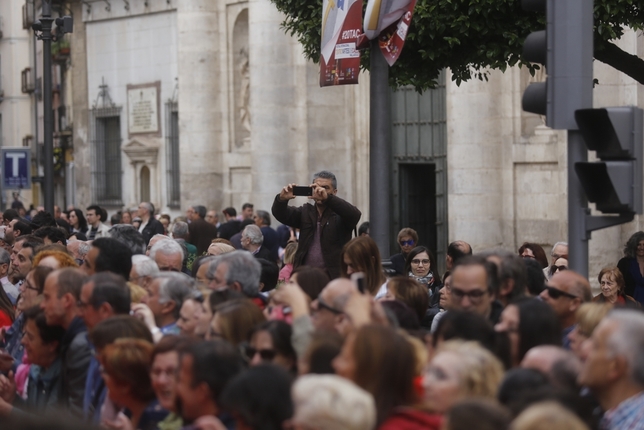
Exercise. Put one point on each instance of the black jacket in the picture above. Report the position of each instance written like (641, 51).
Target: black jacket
(338, 221)
(151, 228)
(229, 229)
(76, 354)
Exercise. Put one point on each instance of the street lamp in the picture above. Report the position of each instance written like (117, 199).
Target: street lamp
(43, 28)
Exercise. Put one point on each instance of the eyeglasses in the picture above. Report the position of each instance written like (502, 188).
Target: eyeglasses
(555, 269)
(264, 354)
(407, 242)
(324, 305)
(475, 296)
(416, 262)
(28, 286)
(555, 293)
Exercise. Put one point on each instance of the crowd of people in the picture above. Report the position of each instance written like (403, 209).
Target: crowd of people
(196, 324)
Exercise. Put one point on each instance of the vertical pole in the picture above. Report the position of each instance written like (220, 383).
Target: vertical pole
(577, 206)
(48, 117)
(379, 150)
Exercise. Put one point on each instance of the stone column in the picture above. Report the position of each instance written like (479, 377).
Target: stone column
(200, 102)
(277, 105)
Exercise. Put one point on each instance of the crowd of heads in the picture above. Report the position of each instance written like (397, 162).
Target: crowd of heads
(119, 329)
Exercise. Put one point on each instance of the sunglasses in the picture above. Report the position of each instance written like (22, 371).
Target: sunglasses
(406, 242)
(264, 354)
(554, 268)
(324, 305)
(555, 293)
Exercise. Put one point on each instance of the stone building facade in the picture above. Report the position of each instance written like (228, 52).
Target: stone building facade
(228, 111)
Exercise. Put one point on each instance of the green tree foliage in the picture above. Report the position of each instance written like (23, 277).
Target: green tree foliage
(472, 37)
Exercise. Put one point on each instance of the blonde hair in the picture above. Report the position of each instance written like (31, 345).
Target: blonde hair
(331, 402)
(223, 248)
(137, 293)
(289, 252)
(589, 315)
(547, 416)
(481, 372)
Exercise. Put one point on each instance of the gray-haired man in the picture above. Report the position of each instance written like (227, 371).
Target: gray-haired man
(325, 226)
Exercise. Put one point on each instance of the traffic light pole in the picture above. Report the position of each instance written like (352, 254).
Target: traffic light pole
(577, 206)
(379, 150)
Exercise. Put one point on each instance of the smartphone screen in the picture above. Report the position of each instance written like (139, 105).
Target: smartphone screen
(302, 191)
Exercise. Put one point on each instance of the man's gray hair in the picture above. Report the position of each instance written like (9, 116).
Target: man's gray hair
(552, 251)
(83, 248)
(176, 287)
(325, 174)
(129, 236)
(180, 230)
(254, 233)
(149, 207)
(265, 216)
(5, 258)
(145, 266)
(242, 268)
(628, 340)
(167, 247)
(200, 210)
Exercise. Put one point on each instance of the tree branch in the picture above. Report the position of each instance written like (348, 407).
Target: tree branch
(621, 60)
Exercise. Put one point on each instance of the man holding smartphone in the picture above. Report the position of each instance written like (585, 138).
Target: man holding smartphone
(325, 226)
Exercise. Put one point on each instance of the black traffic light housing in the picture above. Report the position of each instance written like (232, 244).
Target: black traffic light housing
(614, 183)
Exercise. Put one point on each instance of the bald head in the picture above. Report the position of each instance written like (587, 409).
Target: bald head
(561, 366)
(329, 306)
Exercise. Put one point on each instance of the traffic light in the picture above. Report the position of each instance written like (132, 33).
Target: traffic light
(565, 47)
(614, 184)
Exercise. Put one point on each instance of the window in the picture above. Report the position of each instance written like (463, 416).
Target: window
(172, 154)
(106, 156)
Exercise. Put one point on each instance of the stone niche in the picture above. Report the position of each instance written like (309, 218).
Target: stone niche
(143, 154)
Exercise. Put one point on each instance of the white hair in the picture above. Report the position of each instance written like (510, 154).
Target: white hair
(254, 233)
(628, 340)
(166, 247)
(332, 402)
(144, 265)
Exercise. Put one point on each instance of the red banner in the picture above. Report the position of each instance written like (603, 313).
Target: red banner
(392, 39)
(341, 26)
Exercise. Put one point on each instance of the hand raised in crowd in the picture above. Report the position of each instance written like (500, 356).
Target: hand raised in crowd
(319, 193)
(7, 388)
(290, 294)
(287, 193)
(6, 361)
(361, 309)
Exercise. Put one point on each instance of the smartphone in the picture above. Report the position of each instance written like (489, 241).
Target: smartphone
(358, 279)
(302, 191)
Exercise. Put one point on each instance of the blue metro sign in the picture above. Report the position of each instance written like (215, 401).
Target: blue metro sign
(16, 168)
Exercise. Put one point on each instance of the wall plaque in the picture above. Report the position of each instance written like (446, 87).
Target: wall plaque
(143, 109)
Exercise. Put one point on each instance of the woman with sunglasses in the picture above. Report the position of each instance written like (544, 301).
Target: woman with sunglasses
(407, 239)
(557, 266)
(270, 342)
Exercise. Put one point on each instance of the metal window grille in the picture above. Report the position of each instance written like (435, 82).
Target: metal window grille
(106, 156)
(172, 154)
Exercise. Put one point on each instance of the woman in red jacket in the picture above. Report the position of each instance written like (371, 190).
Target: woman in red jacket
(6, 310)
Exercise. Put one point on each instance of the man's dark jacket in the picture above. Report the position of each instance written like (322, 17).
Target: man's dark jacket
(151, 228)
(76, 354)
(338, 221)
(201, 234)
(229, 229)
